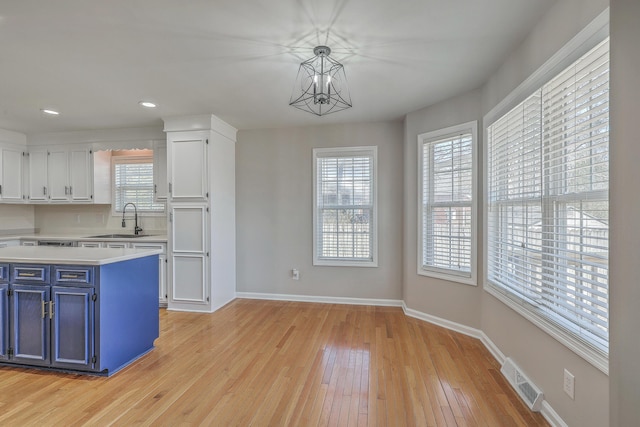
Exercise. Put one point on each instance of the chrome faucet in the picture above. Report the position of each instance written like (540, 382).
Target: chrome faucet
(136, 229)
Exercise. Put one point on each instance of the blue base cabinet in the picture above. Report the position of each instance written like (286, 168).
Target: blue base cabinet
(93, 319)
(4, 311)
(29, 337)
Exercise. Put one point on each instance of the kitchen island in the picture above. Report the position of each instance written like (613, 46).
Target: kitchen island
(77, 309)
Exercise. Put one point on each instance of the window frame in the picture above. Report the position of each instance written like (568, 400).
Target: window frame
(593, 34)
(433, 137)
(132, 159)
(371, 151)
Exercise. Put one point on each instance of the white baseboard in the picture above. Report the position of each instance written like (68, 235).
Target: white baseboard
(324, 300)
(552, 416)
(457, 327)
(547, 411)
(493, 349)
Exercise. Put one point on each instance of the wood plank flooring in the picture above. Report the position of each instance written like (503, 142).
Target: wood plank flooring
(267, 363)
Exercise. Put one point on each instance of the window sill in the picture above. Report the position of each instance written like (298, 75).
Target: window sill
(339, 263)
(451, 277)
(598, 360)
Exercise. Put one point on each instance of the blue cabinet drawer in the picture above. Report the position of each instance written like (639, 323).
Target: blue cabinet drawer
(30, 273)
(69, 274)
(4, 273)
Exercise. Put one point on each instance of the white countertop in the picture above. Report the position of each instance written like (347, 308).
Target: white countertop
(83, 237)
(67, 255)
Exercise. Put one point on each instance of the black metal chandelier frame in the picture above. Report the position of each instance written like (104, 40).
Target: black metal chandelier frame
(321, 85)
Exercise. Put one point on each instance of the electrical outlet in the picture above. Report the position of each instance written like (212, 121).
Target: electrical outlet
(295, 274)
(569, 384)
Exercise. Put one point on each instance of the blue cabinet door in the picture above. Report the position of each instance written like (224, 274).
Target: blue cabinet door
(30, 324)
(4, 321)
(72, 327)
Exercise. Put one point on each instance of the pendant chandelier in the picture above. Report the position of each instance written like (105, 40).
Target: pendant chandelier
(321, 85)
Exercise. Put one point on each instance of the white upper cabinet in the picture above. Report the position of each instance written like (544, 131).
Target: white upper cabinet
(60, 174)
(38, 180)
(11, 173)
(80, 176)
(160, 171)
(187, 168)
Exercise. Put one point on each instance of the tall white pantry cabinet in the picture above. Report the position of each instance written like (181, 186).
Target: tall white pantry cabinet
(201, 212)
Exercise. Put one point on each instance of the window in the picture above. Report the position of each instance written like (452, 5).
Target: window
(133, 183)
(547, 218)
(344, 204)
(446, 204)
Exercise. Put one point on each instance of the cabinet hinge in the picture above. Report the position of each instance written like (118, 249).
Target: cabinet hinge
(90, 151)
(0, 188)
(9, 292)
(207, 141)
(94, 297)
(170, 216)
(207, 194)
(207, 254)
(207, 299)
(207, 208)
(10, 352)
(94, 359)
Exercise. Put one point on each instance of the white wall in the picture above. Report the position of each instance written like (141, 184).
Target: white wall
(539, 355)
(274, 212)
(449, 300)
(625, 212)
(16, 219)
(92, 219)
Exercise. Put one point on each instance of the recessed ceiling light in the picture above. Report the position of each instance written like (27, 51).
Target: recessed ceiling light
(50, 112)
(147, 104)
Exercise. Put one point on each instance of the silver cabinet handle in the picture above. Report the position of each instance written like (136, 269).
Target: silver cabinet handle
(44, 312)
(51, 304)
(44, 191)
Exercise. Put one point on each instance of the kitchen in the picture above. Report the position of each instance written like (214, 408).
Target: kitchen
(201, 58)
(120, 196)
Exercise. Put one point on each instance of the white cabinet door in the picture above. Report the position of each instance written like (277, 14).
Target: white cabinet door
(163, 293)
(80, 176)
(58, 174)
(189, 279)
(187, 171)
(38, 190)
(11, 174)
(90, 244)
(160, 171)
(189, 256)
(162, 268)
(116, 244)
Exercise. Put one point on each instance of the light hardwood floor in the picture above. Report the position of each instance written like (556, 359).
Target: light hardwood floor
(281, 364)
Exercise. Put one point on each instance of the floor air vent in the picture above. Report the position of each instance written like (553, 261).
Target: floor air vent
(527, 390)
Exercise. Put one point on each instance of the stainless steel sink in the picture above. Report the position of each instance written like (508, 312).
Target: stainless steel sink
(117, 236)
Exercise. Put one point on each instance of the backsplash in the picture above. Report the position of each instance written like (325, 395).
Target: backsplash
(95, 219)
(16, 219)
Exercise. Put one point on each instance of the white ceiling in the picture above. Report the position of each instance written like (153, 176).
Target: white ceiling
(95, 59)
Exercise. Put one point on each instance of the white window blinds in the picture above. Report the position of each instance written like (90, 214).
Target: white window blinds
(344, 206)
(133, 183)
(446, 243)
(548, 180)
